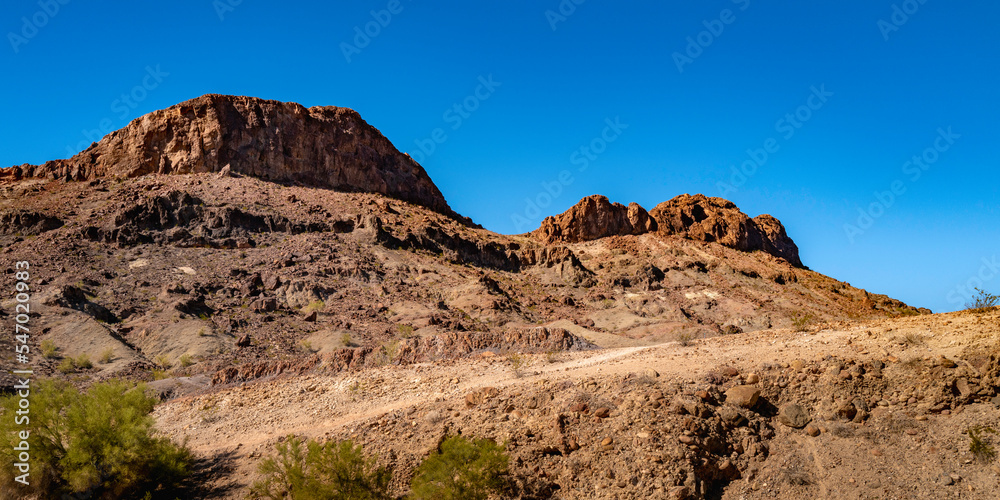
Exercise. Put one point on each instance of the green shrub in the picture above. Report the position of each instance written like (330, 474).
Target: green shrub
(685, 339)
(982, 302)
(82, 362)
(49, 349)
(405, 330)
(163, 361)
(314, 471)
(96, 445)
(801, 322)
(981, 450)
(107, 356)
(316, 305)
(461, 469)
(346, 340)
(67, 365)
(517, 362)
(185, 361)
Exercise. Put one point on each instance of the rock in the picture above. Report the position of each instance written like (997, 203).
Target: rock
(752, 378)
(651, 373)
(481, 396)
(793, 415)
(310, 317)
(607, 441)
(947, 363)
(744, 396)
(579, 407)
(243, 341)
(686, 439)
(322, 147)
(592, 218)
(602, 412)
(812, 431)
(717, 220)
(797, 364)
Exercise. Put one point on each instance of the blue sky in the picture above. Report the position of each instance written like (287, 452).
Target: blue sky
(640, 102)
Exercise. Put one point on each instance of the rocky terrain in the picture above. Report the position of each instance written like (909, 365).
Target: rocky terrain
(276, 269)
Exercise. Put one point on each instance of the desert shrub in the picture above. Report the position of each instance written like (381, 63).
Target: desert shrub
(607, 303)
(405, 330)
(67, 365)
(980, 449)
(801, 322)
(185, 361)
(346, 340)
(163, 361)
(685, 339)
(982, 302)
(107, 356)
(517, 362)
(49, 349)
(461, 469)
(389, 352)
(316, 305)
(307, 346)
(98, 444)
(83, 362)
(314, 471)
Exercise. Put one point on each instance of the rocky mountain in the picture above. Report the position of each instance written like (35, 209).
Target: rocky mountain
(228, 239)
(322, 146)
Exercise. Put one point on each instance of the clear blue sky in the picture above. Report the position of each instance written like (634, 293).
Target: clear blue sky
(560, 78)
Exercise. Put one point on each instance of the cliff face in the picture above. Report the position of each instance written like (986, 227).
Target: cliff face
(322, 146)
(696, 217)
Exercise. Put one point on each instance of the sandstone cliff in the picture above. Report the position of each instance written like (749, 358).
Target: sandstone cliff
(322, 146)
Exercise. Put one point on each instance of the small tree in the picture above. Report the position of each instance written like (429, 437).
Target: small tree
(321, 471)
(461, 469)
(99, 444)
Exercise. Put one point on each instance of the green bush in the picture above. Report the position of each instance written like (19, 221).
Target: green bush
(97, 445)
(461, 469)
(981, 450)
(314, 471)
(82, 362)
(107, 356)
(49, 349)
(67, 365)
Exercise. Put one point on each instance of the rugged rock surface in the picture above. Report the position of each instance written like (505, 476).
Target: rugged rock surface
(717, 220)
(696, 217)
(322, 146)
(595, 217)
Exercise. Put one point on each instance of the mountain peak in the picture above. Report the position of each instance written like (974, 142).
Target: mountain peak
(322, 146)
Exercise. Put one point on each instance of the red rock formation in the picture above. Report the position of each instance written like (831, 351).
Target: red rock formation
(717, 220)
(322, 146)
(592, 218)
(697, 217)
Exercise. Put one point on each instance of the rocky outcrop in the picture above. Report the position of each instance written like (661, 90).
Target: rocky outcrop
(184, 220)
(717, 220)
(696, 217)
(592, 218)
(26, 222)
(322, 146)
